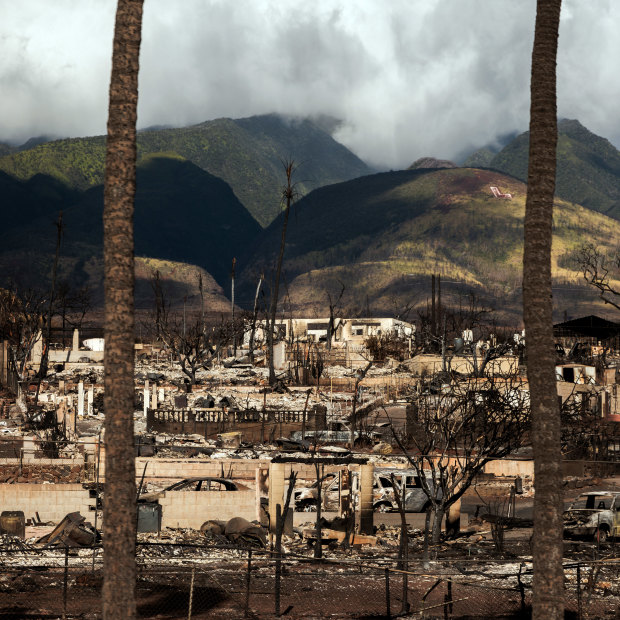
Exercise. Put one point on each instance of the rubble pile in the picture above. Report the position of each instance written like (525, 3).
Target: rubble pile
(40, 474)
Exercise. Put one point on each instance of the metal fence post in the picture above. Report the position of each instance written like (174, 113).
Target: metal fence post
(191, 595)
(447, 608)
(578, 591)
(388, 607)
(247, 584)
(64, 589)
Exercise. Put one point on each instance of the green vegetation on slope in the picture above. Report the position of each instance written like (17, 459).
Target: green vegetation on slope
(383, 235)
(588, 167)
(246, 153)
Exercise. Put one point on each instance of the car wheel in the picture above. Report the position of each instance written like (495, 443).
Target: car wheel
(601, 535)
(383, 507)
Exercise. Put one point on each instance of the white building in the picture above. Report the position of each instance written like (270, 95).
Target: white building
(351, 331)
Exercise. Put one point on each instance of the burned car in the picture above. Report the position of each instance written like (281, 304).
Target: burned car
(207, 483)
(416, 499)
(595, 514)
(339, 431)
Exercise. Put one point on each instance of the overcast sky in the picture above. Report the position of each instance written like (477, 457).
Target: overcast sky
(409, 78)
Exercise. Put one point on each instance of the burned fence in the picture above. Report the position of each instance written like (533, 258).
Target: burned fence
(227, 581)
(254, 424)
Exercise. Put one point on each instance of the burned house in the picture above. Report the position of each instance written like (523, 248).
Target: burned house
(589, 334)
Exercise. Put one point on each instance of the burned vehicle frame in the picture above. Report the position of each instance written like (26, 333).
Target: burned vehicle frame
(595, 515)
(386, 482)
(199, 484)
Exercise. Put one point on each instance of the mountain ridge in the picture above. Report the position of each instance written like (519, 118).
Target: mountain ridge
(246, 153)
(396, 228)
(588, 166)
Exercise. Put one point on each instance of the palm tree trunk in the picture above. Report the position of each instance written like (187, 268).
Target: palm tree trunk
(119, 191)
(548, 586)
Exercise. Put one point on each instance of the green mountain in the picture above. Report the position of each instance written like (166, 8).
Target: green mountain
(481, 158)
(246, 153)
(382, 236)
(182, 215)
(588, 167)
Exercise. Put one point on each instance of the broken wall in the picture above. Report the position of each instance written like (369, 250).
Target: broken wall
(432, 364)
(193, 508)
(51, 501)
(211, 422)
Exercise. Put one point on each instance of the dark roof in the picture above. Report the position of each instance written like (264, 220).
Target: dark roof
(590, 326)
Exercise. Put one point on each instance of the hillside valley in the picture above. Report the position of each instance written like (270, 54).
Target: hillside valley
(182, 214)
(380, 236)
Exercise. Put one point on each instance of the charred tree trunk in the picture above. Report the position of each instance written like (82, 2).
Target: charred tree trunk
(254, 318)
(288, 195)
(44, 365)
(548, 586)
(438, 520)
(119, 192)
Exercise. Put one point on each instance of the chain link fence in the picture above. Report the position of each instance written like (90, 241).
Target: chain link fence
(221, 581)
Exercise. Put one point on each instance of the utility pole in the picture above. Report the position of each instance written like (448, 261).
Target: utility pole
(439, 299)
(433, 317)
(232, 306)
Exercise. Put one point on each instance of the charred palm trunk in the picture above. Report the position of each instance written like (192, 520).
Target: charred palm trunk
(288, 195)
(119, 192)
(548, 598)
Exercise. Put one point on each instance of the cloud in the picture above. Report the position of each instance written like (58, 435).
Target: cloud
(409, 79)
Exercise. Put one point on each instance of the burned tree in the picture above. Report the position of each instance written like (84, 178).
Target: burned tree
(192, 342)
(602, 272)
(360, 373)
(72, 305)
(289, 194)
(46, 335)
(334, 323)
(464, 327)
(22, 316)
(457, 431)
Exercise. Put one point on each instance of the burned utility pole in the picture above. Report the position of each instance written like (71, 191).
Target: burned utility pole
(232, 305)
(43, 366)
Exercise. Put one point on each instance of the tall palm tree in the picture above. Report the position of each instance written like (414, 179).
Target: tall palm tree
(119, 514)
(548, 586)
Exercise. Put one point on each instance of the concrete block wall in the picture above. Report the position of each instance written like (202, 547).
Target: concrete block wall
(510, 467)
(193, 508)
(241, 469)
(178, 469)
(51, 501)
